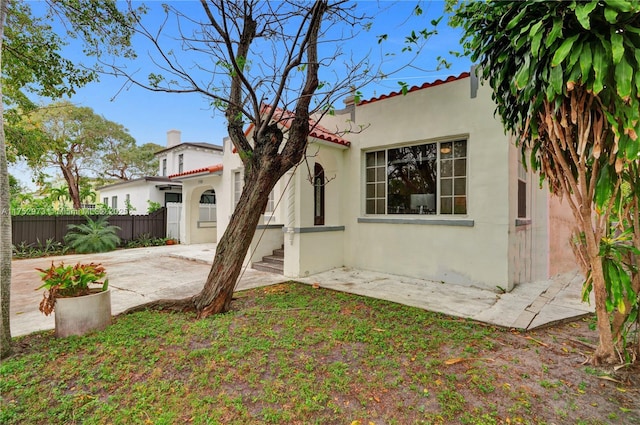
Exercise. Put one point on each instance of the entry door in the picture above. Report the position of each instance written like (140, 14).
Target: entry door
(318, 195)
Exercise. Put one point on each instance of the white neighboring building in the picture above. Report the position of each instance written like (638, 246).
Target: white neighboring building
(133, 196)
(432, 188)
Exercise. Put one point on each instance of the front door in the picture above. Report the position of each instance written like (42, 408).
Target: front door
(318, 195)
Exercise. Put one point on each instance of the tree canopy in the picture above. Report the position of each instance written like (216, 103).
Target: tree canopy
(566, 82)
(72, 139)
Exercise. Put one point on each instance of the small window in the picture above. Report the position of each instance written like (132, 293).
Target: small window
(270, 208)
(105, 201)
(237, 187)
(318, 195)
(180, 163)
(164, 167)
(522, 191)
(208, 197)
(173, 197)
(114, 202)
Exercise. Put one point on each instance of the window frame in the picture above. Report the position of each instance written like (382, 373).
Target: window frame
(238, 184)
(270, 208)
(370, 169)
(522, 207)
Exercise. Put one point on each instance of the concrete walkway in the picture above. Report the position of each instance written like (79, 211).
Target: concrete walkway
(137, 276)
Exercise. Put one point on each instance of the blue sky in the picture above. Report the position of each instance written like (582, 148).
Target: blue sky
(149, 115)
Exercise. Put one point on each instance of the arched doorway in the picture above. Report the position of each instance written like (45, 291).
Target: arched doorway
(318, 195)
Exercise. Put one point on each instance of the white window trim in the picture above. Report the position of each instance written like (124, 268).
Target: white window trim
(389, 218)
(235, 196)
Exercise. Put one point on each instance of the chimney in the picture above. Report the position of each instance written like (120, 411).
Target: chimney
(173, 138)
(350, 100)
(350, 104)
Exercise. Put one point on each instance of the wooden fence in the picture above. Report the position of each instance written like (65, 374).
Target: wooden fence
(33, 229)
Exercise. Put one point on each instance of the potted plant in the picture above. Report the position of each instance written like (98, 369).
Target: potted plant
(80, 296)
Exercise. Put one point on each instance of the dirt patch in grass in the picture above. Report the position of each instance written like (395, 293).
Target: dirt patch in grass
(298, 355)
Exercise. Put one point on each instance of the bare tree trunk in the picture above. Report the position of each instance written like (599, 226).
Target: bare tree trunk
(5, 222)
(72, 184)
(578, 186)
(605, 353)
(217, 293)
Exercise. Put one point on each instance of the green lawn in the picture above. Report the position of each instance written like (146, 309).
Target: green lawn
(291, 354)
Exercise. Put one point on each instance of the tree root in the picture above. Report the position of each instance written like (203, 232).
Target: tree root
(184, 305)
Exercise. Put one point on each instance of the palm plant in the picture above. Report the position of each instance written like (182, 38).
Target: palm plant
(94, 236)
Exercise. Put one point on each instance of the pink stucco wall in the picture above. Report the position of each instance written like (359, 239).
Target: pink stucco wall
(561, 223)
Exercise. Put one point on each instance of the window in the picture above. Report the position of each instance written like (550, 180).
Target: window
(522, 191)
(208, 197)
(164, 167)
(127, 203)
(105, 201)
(409, 179)
(114, 202)
(180, 163)
(271, 205)
(237, 187)
(173, 197)
(318, 195)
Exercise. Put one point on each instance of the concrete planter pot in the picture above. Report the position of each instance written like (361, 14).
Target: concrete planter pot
(81, 315)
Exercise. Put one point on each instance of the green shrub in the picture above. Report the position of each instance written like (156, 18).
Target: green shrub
(49, 248)
(144, 240)
(94, 236)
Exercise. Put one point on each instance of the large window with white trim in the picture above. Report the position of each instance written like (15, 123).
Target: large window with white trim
(430, 178)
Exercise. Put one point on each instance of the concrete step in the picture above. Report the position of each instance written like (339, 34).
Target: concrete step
(278, 252)
(273, 259)
(268, 267)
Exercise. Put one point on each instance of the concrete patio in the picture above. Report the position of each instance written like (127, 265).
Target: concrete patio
(141, 275)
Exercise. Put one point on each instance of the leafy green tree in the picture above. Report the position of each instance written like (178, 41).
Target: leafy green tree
(58, 194)
(31, 64)
(69, 138)
(126, 161)
(14, 186)
(566, 81)
(94, 236)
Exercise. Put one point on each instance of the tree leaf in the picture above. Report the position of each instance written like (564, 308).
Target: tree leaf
(516, 19)
(583, 11)
(585, 61)
(603, 187)
(617, 47)
(556, 31)
(556, 80)
(624, 75)
(610, 14)
(522, 76)
(563, 50)
(599, 67)
(536, 38)
(637, 74)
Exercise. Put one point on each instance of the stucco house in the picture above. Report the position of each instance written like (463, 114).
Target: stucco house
(430, 188)
(133, 195)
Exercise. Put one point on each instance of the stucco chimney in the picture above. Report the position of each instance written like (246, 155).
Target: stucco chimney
(173, 138)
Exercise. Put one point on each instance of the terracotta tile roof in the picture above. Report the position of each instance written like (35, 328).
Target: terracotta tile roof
(209, 169)
(317, 131)
(416, 88)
